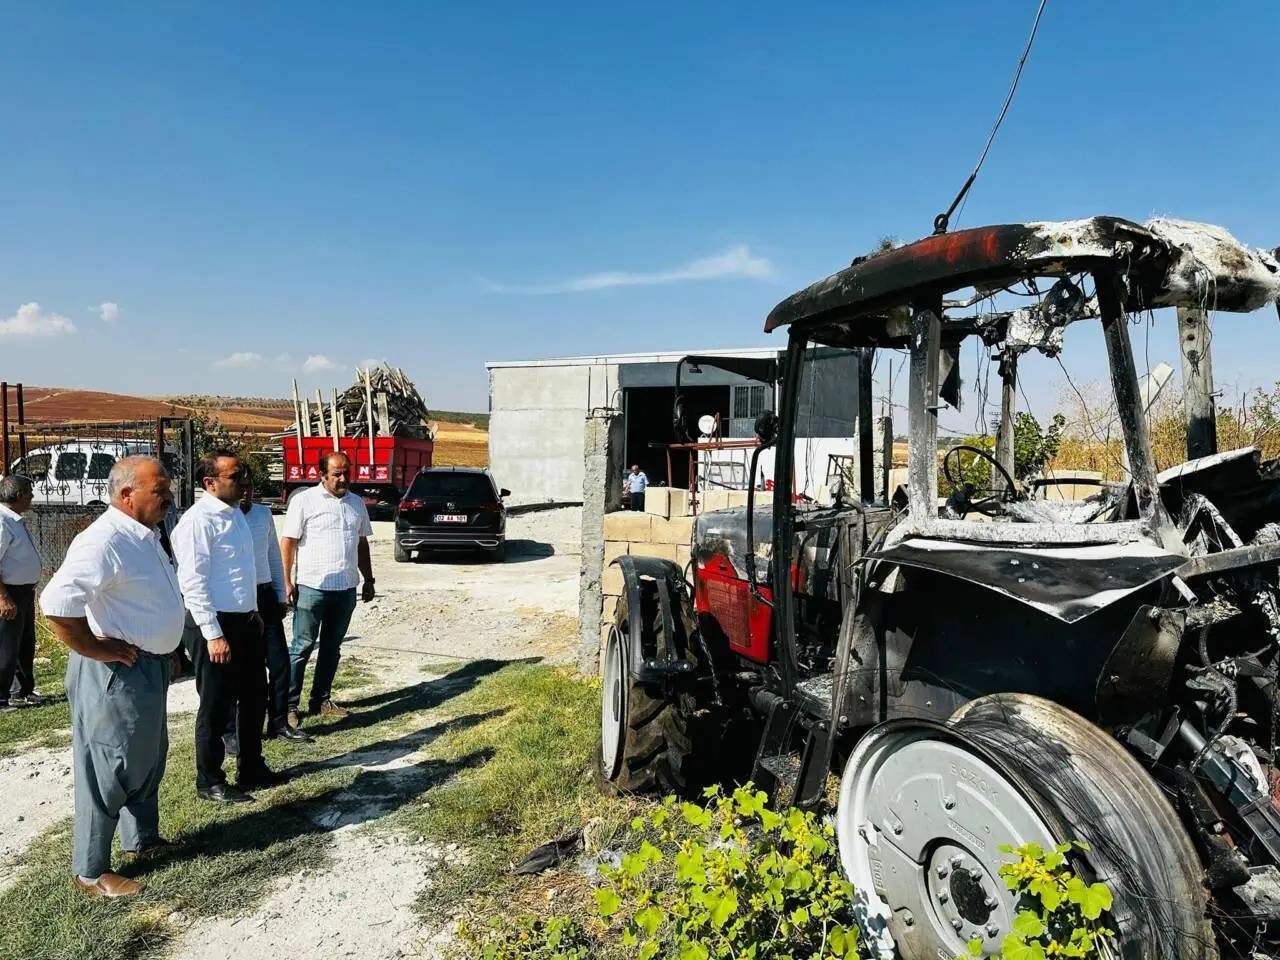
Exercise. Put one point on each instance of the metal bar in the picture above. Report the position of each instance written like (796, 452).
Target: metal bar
(866, 430)
(4, 426)
(368, 405)
(784, 626)
(922, 417)
(333, 417)
(1194, 335)
(1008, 407)
(22, 426)
(1133, 419)
(297, 420)
(1227, 561)
(886, 454)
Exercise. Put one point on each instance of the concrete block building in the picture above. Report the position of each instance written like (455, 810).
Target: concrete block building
(539, 409)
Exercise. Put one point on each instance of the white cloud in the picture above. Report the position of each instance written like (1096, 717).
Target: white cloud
(369, 364)
(239, 360)
(317, 362)
(30, 322)
(108, 312)
(735, 263)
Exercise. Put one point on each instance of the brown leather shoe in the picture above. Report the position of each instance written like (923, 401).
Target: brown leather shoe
(295, 719)
(111, 885)
(328, 708)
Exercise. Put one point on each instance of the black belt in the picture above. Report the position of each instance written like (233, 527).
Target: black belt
(235, 616)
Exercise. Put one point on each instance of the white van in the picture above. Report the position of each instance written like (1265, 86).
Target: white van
(75, 471)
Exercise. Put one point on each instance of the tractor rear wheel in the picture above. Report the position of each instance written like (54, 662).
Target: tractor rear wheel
(653, 736)
(924, 809)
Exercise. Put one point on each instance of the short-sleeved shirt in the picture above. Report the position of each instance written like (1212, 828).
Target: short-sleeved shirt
(19, 561)
(117, 576)
(636, 482)
(328, 530)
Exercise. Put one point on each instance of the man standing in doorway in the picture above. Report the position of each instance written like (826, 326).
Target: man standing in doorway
(218, 574)
(115, 602)
(19, 571)
(636, 484)
(326, 552)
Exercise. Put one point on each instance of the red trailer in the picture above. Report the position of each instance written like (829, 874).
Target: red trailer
(380, 479)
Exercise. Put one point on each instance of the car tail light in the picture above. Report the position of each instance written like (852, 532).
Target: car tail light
(412, 504)
(491, 507)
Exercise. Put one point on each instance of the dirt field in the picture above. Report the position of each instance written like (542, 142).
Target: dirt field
(428, 615)
(457, 444)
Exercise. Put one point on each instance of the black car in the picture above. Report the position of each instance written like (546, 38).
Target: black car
(452, 508)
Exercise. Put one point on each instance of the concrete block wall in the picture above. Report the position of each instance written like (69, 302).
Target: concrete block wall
(663, 530)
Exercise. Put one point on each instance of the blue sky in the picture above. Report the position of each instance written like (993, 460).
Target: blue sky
(440, 185)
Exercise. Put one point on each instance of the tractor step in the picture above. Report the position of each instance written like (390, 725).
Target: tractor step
(784, 769)
(813, 696)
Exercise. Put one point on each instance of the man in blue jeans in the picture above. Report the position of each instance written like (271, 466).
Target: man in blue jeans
(325, 547)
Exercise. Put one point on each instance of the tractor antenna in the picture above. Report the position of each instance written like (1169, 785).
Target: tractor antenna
(943, 220)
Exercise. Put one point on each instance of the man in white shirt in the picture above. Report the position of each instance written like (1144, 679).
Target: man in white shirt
(636, 483)
(273, 601)
(326, 550)
(217, 571)
(115, 602)
(19, 571)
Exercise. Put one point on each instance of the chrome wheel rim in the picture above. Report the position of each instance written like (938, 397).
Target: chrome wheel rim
(613, 712)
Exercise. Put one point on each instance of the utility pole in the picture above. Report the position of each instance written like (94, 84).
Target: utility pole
(1194, 333)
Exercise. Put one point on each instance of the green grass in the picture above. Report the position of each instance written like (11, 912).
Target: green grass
(500, 764)
(539, 729)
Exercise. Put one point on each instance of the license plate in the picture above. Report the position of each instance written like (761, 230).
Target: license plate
(451, 518)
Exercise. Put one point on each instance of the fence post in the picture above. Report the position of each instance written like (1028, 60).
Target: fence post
(4, 426)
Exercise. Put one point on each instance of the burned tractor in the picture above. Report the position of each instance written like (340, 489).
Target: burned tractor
(1003, 668)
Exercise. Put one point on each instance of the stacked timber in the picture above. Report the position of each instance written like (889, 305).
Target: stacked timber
(382, 402)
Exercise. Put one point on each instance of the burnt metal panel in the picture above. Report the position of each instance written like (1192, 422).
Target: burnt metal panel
(1068, 583)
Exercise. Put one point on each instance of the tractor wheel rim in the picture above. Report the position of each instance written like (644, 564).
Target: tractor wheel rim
(921, 820)
(613, 713)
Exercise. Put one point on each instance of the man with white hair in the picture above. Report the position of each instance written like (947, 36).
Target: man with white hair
(116, 603)
(19, 571)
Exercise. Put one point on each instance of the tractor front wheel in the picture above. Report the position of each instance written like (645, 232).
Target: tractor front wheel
(653, 736)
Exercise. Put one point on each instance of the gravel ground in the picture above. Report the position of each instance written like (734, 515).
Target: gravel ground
(427, 613)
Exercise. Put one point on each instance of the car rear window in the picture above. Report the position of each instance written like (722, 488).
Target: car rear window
(453, 486)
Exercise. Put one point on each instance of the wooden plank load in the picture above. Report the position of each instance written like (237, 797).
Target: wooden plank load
(382, 399)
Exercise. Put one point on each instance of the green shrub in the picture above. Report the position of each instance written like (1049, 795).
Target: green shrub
(1060, 915)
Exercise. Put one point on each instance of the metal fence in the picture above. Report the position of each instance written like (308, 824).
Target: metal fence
(68, 463)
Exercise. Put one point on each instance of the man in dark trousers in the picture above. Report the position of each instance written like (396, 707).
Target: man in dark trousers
(217, 571)
(19, 571)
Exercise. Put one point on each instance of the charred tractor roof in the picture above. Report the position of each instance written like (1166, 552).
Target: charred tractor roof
(1165, 263)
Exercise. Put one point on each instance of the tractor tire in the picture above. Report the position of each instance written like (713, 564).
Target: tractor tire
(921, 804)
(400, 553)
(654, 738)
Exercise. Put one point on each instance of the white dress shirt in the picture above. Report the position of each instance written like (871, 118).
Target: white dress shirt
(118, 577)
(328, 530)
(266, 548)
(19, 561)
(216, 568)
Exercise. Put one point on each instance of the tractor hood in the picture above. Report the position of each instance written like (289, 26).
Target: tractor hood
(1066, 582)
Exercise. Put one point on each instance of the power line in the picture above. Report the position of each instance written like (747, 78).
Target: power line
(943, 220)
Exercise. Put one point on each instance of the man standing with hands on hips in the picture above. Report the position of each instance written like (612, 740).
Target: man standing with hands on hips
(326, 551)
(217, 571)
(115, 602)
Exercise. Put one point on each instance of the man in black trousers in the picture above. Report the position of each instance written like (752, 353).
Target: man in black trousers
(214, 548)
